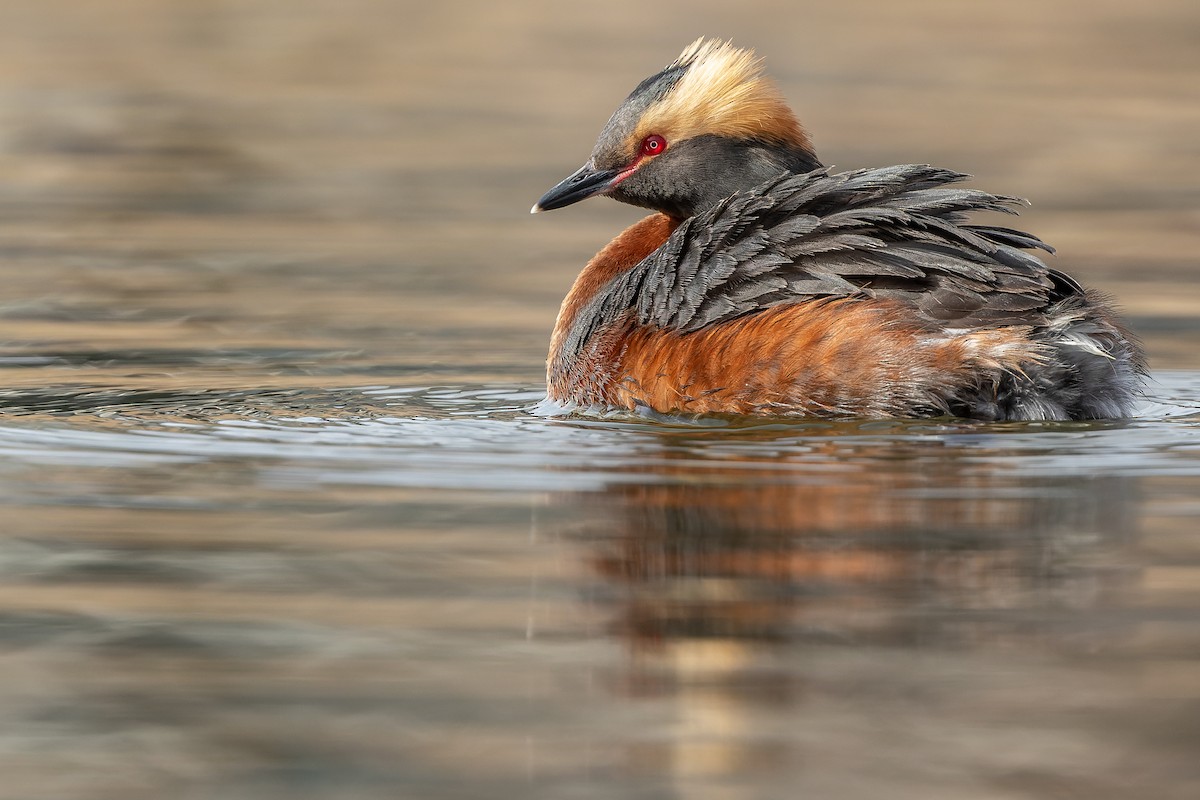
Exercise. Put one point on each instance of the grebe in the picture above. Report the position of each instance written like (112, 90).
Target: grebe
(766, 284)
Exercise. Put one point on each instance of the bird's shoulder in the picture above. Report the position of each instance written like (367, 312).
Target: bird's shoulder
(897, 233)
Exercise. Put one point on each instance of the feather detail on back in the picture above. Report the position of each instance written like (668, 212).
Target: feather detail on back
(879, 233)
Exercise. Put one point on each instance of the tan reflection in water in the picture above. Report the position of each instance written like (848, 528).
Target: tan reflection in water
(721, 578)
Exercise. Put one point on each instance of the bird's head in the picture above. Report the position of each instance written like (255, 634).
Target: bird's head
(706, 126)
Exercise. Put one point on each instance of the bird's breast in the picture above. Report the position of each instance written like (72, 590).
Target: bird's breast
(617, 257)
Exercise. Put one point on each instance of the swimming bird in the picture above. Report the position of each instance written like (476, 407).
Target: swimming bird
(766, 284)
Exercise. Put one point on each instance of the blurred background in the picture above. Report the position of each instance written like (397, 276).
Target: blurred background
(278, 523)
(375, 161)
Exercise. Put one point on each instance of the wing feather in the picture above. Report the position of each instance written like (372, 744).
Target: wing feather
(895, 232)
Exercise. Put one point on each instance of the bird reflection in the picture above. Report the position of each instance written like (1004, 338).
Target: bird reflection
(721, 577)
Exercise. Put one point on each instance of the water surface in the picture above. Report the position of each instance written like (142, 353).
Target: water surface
(436, 592)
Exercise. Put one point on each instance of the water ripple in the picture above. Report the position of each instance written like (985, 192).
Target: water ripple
(486, 437)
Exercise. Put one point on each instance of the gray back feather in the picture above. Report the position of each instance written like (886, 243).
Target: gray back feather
(896, 232)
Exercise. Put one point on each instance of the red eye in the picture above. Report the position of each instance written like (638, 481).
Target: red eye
(653, 144)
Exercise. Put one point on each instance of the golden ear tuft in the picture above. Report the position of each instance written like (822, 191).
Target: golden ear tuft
(715, 50)
(724, 92)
